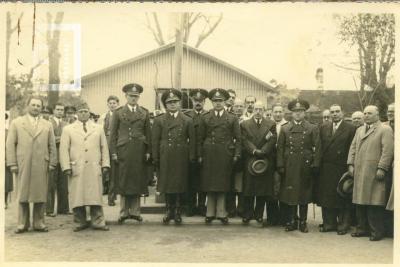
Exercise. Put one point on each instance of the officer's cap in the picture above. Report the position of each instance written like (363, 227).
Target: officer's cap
(132, 88)
(82, 106)
(198, 94)
(218, 93)
(298, 104)
(171, 95)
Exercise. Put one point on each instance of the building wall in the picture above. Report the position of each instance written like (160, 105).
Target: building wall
(197, 72)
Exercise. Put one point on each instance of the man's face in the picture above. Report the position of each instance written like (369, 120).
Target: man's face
(250, 104)
(172, 106)
(198, 104)
(132, 99)
(357, 119)
(35, 107)
(112, 104)
(390, 113)
(336, 113)
(371, 115)
(277, 113)
(268, 114)
(218, 104)
(58, 111)
(238, 109)
(83, 115)
(326, 115)
(231, 100)
(258, 112)
(298, 115)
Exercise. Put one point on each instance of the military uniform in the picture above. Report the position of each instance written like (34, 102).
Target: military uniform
(299, 155)
(195, 198)
(173, 142)
(130, 140)
(217, 149)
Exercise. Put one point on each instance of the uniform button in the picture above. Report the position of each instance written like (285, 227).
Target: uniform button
(130, 138)
(84, 139)
(86, 150)
(291, 152)
(86, 161)
(129, 128)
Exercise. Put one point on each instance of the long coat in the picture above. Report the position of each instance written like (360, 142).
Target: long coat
(334, 150)
(173, 143)
(194, 169)
(130, 139)
(298, 152)
(255, 137)
(84, 154)
(32, 151)
(368, 152)
(217, 148)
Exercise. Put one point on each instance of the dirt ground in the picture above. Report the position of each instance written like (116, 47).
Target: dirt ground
(150, 241)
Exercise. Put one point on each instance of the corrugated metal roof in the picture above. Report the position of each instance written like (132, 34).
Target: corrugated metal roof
(188, 48)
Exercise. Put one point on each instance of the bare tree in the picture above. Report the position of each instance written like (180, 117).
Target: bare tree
(374, 36)
(207, 23)
(53, 40)
(9, 32)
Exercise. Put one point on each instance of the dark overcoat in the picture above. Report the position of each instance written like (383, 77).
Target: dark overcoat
(261, 137)
(298, 152)
(194, 168)
(219, 141)
(173, 147)
(334, 151)
(130, 139)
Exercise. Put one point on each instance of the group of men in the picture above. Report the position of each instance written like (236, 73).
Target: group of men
(234, 159)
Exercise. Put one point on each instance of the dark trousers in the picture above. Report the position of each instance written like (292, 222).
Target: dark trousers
(370, 219)
(254, 211)
(231, 207)
(57, 184)
(195, 200)
(336, 218)
(113, 184)
(173, 200)
(273, 212)
(294, 213)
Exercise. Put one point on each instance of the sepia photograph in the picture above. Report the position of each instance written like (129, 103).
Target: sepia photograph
(211, 133)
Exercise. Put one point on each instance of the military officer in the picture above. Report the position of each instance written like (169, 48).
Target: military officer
(173, 149)
(298, 161)
(218, 153)
(130, 146)
(196, 200)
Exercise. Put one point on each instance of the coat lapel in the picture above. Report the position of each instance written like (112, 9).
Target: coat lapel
(39, 128)
(370, 131)
(78, 127)
(26, 124)
(90, 129)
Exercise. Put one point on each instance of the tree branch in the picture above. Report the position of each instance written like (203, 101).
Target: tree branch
(203, 36)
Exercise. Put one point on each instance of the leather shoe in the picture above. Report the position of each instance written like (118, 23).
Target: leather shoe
(325, 230)
(136, 217)
(122, 219)
(50, 214)
(102, 228)
(246, 220)
(342, 232)
(20, 231)
(209, 219)
(81, 227)
(359, 234)
(43, 230)
(290, 227)
(303, 227)
(259, 220)
(375, 238)
(224, 220)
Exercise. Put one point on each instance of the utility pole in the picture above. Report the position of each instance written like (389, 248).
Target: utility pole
(178, 52)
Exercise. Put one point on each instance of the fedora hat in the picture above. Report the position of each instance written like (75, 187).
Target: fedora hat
(257, 167)
(345, 186)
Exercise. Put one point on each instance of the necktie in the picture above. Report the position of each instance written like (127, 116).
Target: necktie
(367, 128)
(258, 122)
(334, 128)
(84, 127)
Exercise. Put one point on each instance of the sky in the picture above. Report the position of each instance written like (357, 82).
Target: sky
(269, 42)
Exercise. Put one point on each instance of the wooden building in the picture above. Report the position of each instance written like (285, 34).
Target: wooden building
(154, 71)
